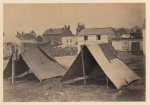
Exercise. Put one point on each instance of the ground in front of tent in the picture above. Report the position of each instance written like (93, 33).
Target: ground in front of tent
(29, 89)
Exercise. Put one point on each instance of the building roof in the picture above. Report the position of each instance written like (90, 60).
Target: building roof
(30, 41)
(10, 39)
(56, 31)
(14, 39)
(72, 35)
(26, 36)
(96, 31)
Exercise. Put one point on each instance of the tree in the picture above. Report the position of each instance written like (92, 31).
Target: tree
(136, 32)
(121, 31)
(79, 27)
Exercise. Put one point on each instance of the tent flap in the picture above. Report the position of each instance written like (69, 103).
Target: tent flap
(117, 71)
(41, 65)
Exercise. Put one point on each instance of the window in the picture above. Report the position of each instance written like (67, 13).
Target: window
(125, 43)
(85, 37)
(125, 46)
(98, 37)
(70, 40)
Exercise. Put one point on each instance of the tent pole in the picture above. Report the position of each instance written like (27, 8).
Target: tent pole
(13, 66)
(40, 82)
(83, 66)
(107, 82)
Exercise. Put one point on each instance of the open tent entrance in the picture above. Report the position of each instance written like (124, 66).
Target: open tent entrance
(93, 72)
(20, 68)
(100, 60)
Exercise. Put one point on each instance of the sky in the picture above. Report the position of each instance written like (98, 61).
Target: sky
(39, 17)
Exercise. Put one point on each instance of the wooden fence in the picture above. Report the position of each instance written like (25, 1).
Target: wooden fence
(68, 51)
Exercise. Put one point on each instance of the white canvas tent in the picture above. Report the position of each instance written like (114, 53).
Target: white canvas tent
(103, 58)
(34, 59)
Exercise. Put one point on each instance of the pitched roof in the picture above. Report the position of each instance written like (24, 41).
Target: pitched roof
(72, 35)
(26, 36)
(58, 31)
(97, 31)
(10, 38)
(55, 31)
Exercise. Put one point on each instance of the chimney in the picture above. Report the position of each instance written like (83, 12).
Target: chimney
(65, 27)
(51, 29)
(32, 32)
(18, 33)
(68, 27)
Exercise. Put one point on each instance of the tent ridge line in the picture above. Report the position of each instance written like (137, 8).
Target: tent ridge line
(51, 58)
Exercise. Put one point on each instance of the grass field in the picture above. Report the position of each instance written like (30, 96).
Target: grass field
(28, 89)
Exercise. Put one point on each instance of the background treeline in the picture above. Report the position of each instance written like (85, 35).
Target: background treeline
(135, 32)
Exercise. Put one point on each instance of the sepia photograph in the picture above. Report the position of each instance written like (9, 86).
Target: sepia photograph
(74, 52)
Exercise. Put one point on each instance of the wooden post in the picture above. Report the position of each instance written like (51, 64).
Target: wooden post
(107, 82)
(40, 82)
(13, 64)
(83, 66)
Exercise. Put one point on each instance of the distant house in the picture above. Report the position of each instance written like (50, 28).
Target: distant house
(27, 37)
(54, 36)
(69, 41)
(128, 44)
(95, 35)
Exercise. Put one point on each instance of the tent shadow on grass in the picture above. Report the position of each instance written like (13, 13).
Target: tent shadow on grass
(28, 77)
(94, 81)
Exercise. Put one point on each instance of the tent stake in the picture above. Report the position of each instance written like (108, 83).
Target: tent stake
(83, 66)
